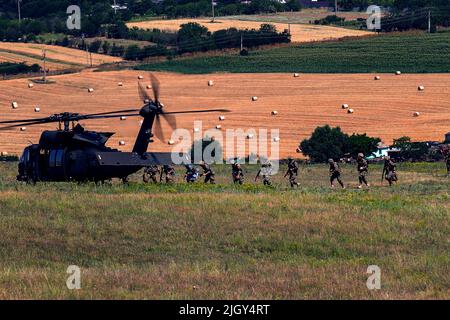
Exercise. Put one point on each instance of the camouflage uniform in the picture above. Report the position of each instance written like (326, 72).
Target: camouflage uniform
(237, 173)
(266, 172)
(151, 174)
(169, 171)
(389, 171)
(192, 174)
(208, 173)
(335, 173)
(292, 171)
(363, 170)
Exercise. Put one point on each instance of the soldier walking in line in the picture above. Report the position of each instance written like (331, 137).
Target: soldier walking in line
(389, 171)
(192, 174)
(266, 172)
(208, 173)
(363, 170)
(169, 173)
(151, 174)
(335, 173)
(237, 173)
(447, 161)
(292, 171)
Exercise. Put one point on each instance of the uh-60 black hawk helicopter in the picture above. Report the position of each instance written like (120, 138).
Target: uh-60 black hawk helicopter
(72, 153)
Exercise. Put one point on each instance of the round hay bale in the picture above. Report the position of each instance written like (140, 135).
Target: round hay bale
(210, 83)
(14, 105)
(218, 127)
(146, 101)
(90, 90)
(30, 85)
(421, 88)
(377, 78)
(37, 109)
(121, 143)
(254, 98)
(196, 130)
(23, 128)
(4, 154)
(298, 150)
(296, 75)
(398, 73)
(350, 111)
(140, 77)
(221, 118)
(250, 136)
(274, 112)
(123, 118)
(171, 142)
(149, 86)
(276, 139)
(345, 106)
(416, 114)
(120, 84)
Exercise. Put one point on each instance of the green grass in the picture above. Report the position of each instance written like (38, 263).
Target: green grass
(224, 241)
(409, 52)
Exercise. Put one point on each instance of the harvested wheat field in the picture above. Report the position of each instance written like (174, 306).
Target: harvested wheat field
(299, 32)
(58, 58)
(382, 108)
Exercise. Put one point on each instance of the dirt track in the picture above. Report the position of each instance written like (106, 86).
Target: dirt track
(382, 108)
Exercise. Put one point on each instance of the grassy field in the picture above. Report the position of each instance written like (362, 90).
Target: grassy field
(415, 52)
(225, 241)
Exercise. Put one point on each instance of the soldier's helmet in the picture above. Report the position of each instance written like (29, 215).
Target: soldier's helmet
(360, 155)
(330, 160)
(387, 158)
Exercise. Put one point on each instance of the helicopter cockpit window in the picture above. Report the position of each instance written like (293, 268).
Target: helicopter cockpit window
(59, 158)
(25, 156)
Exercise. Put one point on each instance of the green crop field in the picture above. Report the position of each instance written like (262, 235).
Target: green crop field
(413, 52)
(224, 241)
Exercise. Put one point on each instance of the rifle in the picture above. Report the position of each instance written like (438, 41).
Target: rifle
(382, 174)
(257, 175)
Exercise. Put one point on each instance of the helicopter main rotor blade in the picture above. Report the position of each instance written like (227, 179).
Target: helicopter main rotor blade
(111, 112)
(198, 111)
(22, 124)
(159, 133)
(90, 117)
(143, 93)
(171, 120)
(24, 121)
(155, 87)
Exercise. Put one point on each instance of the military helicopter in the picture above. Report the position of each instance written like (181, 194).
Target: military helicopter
(73, 153)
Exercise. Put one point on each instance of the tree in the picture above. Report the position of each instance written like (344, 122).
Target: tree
(414, 151)
(193, 37)
(325, 143)
(133, 52)
(95, 46)
(362, 143)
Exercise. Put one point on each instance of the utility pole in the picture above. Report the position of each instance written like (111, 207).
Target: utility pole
(44, 56)
(429, 21)
(242, 42)
(115, 7)
(213, 13)
(18, 11)
(335, 7)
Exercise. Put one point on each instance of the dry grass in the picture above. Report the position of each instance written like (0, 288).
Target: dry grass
(58, 57)
(382, 108)
(299, 32)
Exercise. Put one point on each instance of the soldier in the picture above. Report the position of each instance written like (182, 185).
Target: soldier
(237, 173)
(447, 161)
(292, 171)
(389, 171)
(363, 170)
(266, 172)
(169, 171)
(192, 174)
(208, 173)
(151, 174)
(335, 173)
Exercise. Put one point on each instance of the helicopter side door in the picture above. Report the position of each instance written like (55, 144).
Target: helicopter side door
(56, 165)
